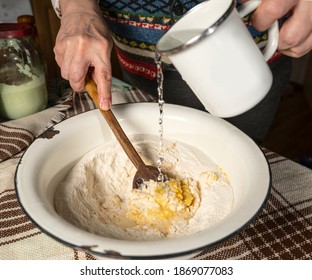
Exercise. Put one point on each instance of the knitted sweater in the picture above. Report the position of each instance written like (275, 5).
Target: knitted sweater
(136, 26)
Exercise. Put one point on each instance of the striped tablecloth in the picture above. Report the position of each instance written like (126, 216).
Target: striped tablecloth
(283, 229)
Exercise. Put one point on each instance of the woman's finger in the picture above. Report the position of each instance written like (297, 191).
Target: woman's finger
(299, 50)
(269, 11)
(295, 33)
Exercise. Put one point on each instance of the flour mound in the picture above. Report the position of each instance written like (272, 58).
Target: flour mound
(97, 194)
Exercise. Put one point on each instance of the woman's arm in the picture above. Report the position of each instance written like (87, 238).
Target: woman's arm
(84, 42)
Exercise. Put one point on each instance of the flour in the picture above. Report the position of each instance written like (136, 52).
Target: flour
(97, 194)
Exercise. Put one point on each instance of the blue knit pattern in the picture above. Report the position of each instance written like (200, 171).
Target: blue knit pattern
(137, 26)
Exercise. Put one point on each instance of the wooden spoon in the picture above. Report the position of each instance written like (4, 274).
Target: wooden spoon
(144, 172)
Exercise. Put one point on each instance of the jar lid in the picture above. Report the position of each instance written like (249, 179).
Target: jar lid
(15, 30)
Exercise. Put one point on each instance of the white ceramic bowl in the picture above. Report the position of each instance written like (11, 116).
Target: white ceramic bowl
(47, 161)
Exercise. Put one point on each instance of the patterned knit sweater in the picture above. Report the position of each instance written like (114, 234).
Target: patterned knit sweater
(136, 26)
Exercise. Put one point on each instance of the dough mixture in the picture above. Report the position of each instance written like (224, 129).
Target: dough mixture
(97, 194)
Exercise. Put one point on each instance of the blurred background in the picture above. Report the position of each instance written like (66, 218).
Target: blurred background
(291, 133)
(11, 9)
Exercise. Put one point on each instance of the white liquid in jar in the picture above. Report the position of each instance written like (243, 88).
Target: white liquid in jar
(23, 100)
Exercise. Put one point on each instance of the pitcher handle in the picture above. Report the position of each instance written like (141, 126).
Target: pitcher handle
(273, 31)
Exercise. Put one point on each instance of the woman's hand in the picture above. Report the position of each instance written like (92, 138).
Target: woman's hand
(295, 37)
(84, 42)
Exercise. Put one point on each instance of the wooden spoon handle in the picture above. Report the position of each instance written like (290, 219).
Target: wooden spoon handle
(115, 126)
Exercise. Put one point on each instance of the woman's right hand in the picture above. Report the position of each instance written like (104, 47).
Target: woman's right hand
(295, 38)
(84, 42)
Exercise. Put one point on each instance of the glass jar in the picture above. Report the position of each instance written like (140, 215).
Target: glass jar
(23, 88)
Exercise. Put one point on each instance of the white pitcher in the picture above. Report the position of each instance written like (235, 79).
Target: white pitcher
(216, 55)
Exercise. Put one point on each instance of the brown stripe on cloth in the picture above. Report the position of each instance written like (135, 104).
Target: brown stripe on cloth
(13, 140)
(16, 230)
(89, 256)
(76, 254)
(8, 200)
(13, 222)
(79, 102)
(11, 213)
(139, 96)
(272, 157)
(20, 238)
(7, 197)
(8, 205)
(6, 191)
(82, 255)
